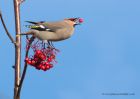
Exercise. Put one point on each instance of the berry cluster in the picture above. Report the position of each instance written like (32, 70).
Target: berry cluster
(43, 57)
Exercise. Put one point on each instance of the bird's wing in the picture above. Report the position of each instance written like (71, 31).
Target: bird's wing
(37, 26)
(35, 22)
(45, 26)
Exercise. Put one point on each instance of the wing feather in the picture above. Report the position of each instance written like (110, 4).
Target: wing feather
(46, 26)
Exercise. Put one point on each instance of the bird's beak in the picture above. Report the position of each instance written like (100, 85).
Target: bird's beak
(78, 21)
(77, 24)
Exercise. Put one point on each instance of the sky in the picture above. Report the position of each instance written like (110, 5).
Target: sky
(101, 58)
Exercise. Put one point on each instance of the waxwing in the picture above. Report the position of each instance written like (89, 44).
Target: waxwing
(53, 31)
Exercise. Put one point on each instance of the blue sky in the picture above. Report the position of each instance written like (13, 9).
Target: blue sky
(101, 57)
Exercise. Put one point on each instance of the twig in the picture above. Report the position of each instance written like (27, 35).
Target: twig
(21, 1)
(25, 67)
(17, 48)
(7, 32)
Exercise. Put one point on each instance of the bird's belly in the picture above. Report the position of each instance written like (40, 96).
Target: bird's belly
(55, 36)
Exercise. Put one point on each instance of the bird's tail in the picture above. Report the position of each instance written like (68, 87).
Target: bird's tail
(31, 22)
(32, 26)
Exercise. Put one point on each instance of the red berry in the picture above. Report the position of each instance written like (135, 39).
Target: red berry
(81, 20)
(37, 51)
(33, 62)
(26, 59)
(49, 60)
(46, 63)
(43, 67)
(43, 57)
(52, 56)
(36, 58)
(29, 62)
(39, 66)
(50, 65)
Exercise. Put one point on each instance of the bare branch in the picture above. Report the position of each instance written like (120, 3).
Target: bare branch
(7, 32)
(17, 48)
(25, 67)
(21, 1)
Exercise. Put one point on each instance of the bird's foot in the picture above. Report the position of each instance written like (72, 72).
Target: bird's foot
(50, 45)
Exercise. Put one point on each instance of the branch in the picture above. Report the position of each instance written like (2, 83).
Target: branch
(17, 48)
(21, 1)
(25, 67)
(7, 32)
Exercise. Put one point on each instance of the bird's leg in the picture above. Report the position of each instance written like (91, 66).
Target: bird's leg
(27, 37)
(52, 44)
(27, 41)
(49, 44)
(43, 45)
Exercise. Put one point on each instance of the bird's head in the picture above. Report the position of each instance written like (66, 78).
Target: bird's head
(76, 21)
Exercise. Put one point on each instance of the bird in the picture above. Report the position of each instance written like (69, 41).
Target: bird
(53, 31)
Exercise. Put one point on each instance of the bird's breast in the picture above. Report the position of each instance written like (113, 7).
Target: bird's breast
(58, 35)
(65, 32)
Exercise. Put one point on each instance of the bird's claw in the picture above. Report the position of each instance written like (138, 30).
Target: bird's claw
(18, 35)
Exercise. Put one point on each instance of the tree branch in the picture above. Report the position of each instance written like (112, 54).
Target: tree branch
(21, 1)
(25, 67)
(7, 32)
(17, 47)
